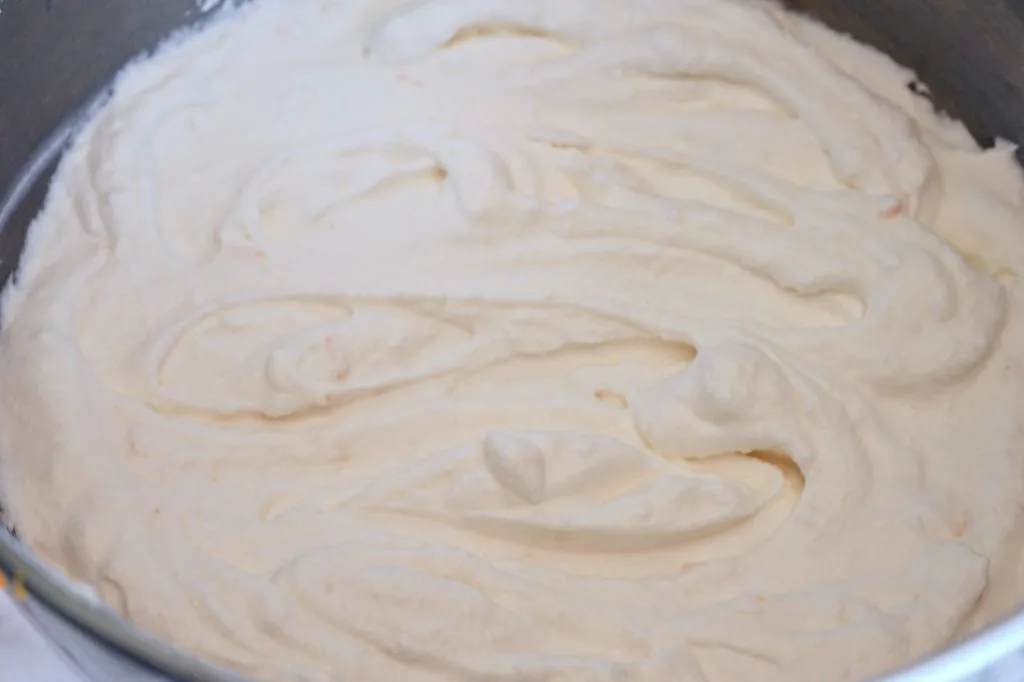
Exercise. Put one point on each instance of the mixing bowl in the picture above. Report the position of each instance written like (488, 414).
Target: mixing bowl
(57, 55)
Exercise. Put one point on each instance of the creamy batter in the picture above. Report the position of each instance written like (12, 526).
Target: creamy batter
(525, 341)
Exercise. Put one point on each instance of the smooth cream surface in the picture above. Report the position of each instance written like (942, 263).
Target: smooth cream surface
(525, 341)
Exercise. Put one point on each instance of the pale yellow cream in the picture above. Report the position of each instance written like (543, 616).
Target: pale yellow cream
(525, 341)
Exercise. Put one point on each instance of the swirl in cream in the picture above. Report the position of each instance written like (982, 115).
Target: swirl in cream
(524, 341)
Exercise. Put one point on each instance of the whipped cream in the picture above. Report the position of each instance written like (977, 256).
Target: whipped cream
(519, 340)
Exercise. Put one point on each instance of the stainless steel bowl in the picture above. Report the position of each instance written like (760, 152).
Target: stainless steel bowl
(57, 57)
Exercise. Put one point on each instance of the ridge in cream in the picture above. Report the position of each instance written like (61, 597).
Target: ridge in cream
(525, 341)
